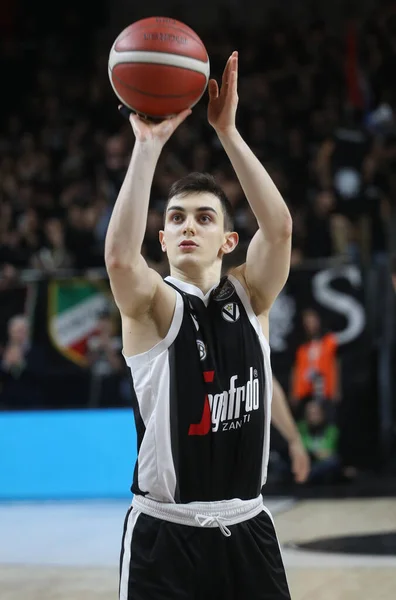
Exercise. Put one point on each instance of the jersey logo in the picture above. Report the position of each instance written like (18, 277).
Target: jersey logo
(230, 312)
(223, 292)
(201, 350)
(230, 409)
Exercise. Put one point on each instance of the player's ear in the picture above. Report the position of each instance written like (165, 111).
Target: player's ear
(161, 236)
(231, 242)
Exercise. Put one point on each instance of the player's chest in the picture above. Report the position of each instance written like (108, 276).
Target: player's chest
(221, 331)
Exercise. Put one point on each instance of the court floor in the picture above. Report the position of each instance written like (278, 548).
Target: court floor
(69, 551)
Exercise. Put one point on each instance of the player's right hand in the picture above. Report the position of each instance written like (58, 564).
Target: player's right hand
(300, 462)
(156, 132)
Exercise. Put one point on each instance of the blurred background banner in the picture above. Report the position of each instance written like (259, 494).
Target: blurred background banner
(337, 294)
(73, 308)
(66, 454)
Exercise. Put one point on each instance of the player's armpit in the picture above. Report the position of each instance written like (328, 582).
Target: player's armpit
(267, 269)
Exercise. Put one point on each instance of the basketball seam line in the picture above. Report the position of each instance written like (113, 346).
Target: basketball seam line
(132, 88)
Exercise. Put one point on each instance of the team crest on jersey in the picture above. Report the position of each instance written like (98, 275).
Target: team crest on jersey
(201, 350)
(230, 312)
(223, 292)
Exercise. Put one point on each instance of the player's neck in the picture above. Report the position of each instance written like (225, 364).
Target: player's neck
(202, 280)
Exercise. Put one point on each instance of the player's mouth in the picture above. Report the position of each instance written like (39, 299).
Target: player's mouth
(188, 245)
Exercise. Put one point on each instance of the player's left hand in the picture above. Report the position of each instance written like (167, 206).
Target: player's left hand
(223, 103)
(300, 462)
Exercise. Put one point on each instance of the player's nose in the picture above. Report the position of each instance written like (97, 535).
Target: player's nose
(189, 225)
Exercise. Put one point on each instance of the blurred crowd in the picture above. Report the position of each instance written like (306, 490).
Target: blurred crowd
(316, 106)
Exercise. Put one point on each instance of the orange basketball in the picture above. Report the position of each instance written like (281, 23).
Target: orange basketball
(158, 67)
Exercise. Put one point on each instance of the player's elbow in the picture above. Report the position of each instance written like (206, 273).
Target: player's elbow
(115, 261)
(112, 259)
(117, 258)
(286, 228)
(282, 232)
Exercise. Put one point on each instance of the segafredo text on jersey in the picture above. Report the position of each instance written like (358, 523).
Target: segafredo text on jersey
(231, 408)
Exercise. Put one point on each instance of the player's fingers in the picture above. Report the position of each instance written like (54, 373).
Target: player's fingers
(300, 470)
(134, 119)
(298, 476)
(304, 469)
(181, 117)
(213, 89)
(234, 70)
(165, 128)
(226, 72)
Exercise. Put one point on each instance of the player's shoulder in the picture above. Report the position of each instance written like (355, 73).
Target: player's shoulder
(255, 301)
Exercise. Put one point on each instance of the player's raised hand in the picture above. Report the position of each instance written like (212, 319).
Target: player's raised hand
(223, 103)
(155, 132)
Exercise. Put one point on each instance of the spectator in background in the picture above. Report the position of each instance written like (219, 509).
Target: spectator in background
(64, 150)
(81, 237)
(315, 374)
(319, 226)
(18, 389)
(343, 166)
(320, 440)
(106, 366)
(53, 255)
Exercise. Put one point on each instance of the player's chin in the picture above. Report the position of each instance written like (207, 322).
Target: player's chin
(188, 259)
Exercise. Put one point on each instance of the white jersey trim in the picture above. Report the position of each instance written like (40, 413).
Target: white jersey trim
(145, 357)
(265, 347)
(124, 576)
(190, 288)
(244, 298)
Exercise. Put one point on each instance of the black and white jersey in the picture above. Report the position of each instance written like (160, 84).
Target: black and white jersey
(202, 400)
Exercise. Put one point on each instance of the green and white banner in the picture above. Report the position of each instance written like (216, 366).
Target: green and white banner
(74, 307)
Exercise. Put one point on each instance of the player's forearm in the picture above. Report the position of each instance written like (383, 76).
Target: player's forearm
(128, 221)
(266, 202)
(282, 417)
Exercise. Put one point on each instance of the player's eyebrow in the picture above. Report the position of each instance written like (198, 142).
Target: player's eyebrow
(200, 209)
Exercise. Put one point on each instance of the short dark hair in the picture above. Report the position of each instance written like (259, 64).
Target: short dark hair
(200, 183)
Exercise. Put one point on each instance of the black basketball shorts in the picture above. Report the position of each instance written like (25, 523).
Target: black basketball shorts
(161, 560)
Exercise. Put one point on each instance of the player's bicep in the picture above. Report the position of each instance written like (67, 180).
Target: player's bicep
(267, 268)
(133, 287)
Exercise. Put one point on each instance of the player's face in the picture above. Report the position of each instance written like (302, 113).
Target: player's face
(314, 414)
(193, 234)
(311, 322)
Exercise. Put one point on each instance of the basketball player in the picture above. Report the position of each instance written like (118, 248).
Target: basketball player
(197, 346)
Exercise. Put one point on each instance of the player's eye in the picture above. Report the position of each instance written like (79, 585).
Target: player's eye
(176, 218)
(205, 219)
